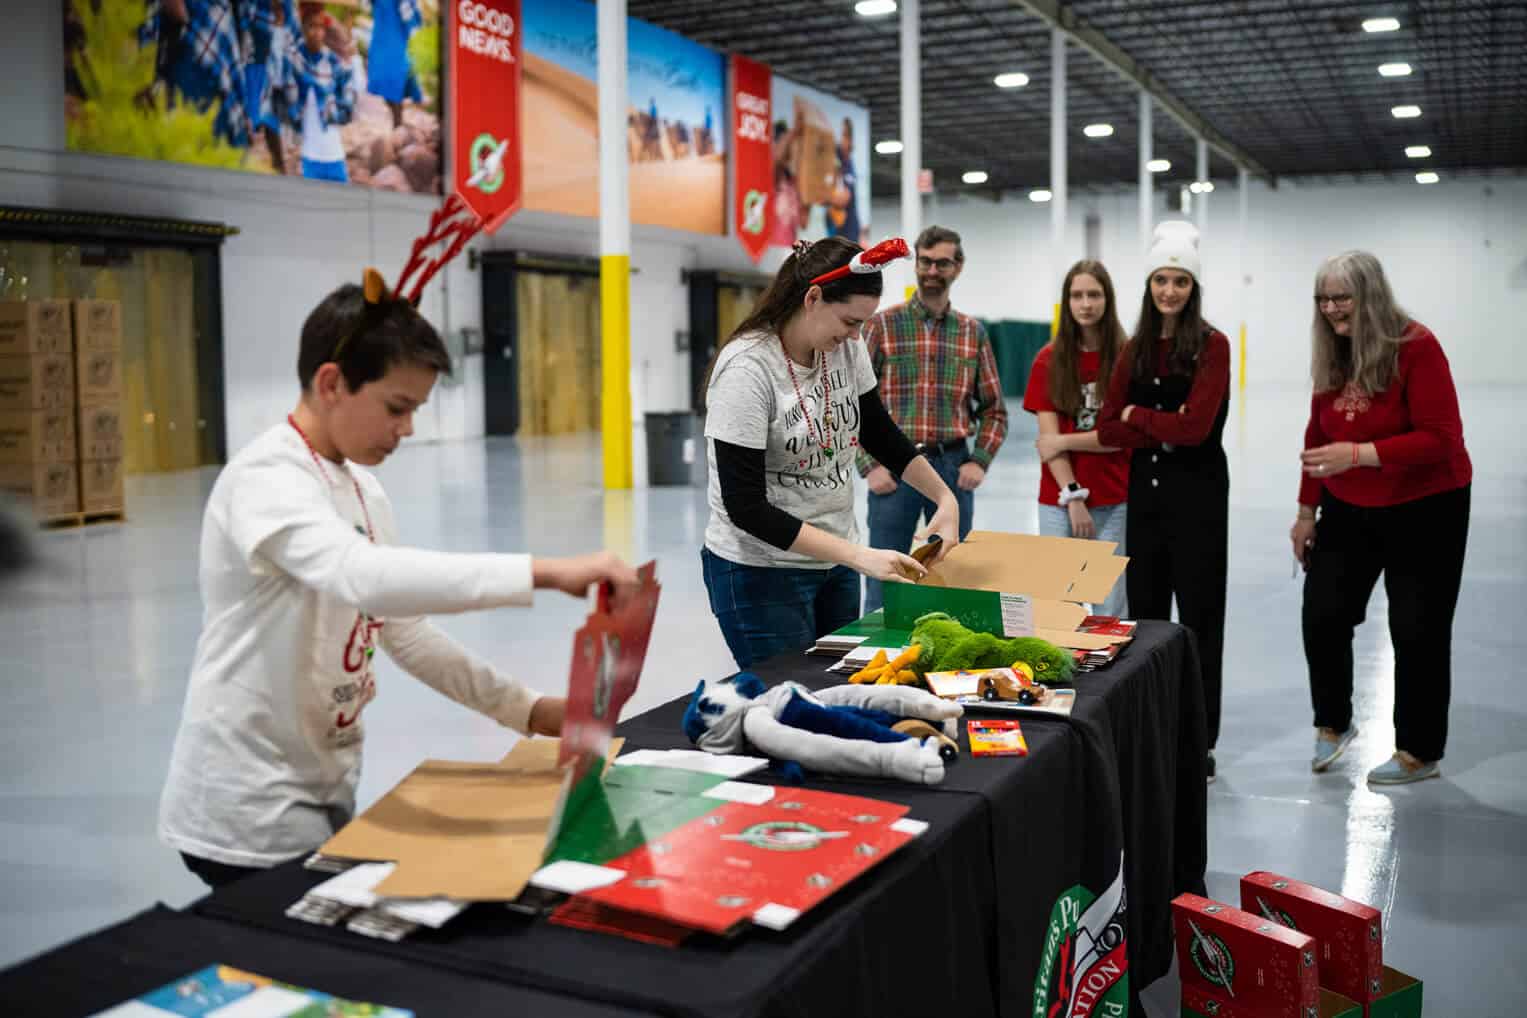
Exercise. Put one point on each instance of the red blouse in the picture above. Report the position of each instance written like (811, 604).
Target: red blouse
(1414, 425)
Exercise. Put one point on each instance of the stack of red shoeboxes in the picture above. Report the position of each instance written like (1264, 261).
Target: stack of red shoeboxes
(1290, 951)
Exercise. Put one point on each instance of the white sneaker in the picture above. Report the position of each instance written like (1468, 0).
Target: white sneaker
(1329, 746)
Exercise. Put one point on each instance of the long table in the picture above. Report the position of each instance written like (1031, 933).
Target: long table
(982, 913)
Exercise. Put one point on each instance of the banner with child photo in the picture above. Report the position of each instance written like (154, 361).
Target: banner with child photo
(821, 166)
(346, 91)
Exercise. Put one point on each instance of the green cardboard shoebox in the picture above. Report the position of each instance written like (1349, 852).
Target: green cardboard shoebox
(1014, 585)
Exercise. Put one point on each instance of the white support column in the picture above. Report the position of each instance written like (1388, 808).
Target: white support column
(1243, 238)
(911, 121)
(1147, 195)
(614, 247)
(1201, 174)
(1058, 159)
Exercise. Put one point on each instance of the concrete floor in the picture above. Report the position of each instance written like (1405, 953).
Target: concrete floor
(97, 649)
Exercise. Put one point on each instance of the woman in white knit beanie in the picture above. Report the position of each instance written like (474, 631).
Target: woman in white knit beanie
(1167, 401)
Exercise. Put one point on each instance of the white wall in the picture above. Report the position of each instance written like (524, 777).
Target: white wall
(300, 239)
(1455, 252)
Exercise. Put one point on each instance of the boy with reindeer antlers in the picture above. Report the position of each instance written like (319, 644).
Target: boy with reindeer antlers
(303, 578)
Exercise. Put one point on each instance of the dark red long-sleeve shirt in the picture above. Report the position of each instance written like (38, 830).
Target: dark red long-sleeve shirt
(1414, 426)
(1147, 426)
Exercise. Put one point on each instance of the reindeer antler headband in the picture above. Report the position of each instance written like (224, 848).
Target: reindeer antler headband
(451, 225)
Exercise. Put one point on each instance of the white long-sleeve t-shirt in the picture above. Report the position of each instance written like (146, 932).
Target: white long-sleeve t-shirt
(296, 597)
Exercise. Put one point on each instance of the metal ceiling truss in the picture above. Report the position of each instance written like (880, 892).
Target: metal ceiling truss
(1281, 87)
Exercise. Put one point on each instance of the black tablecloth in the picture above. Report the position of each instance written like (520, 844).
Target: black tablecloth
(975, 917)
(159, 946)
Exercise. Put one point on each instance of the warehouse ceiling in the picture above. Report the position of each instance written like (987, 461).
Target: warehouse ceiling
(1293, 83)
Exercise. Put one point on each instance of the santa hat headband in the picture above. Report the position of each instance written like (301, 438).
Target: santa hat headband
(865, 262)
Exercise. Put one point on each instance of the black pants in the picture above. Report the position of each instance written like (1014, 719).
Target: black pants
(1419, 547)
(1177, 547)
(216, 874)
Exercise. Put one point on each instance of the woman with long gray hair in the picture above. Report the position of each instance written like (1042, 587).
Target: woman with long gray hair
(1385, 490)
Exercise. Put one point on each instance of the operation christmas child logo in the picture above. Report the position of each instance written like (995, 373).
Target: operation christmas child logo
(1084, 970)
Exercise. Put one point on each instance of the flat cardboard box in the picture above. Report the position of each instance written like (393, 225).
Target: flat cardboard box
(38, 382)
(97, 325)
(52, 489)
(1233, 964)
(101, 436)
(1056, 574)
(101, 486)
(98, 374)
(36, 436)
(1351, 934)
(34, 326)
(467, 831)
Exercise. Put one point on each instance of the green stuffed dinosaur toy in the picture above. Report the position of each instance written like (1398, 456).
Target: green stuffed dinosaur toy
(948, 646)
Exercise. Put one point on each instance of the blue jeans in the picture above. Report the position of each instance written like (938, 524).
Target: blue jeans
(768, 610)
(894, 518)
(1108, 522)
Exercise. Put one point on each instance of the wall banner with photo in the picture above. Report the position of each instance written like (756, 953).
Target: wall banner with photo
(821, 166)
(347, 91)
(675, 123)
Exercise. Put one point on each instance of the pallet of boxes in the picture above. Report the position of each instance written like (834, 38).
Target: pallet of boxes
(61, 408)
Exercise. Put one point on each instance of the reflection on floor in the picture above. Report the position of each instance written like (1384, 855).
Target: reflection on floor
(98, 647)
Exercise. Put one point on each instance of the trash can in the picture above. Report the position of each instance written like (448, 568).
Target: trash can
(671, 448)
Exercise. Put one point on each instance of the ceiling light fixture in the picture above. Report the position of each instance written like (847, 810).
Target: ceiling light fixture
(889, 147)
(1427, 177)
(874, 8)
(1418, 151)
(1040, 195)
(1201, 186)
(1158, 165)
(1406, 112)
(1398, 70)
(1381, 25)
(1098, 130)
(1012, 79)
(974, 176)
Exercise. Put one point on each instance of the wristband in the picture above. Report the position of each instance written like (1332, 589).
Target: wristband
(1072, 494)
(1355, 448)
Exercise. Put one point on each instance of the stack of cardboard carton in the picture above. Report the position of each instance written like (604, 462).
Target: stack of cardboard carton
(98, 376)
(38, 457)
(1290, 951)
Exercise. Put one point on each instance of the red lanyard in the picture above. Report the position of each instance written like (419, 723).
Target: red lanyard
(318, 462)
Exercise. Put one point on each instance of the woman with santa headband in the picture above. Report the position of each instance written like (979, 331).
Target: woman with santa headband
(789, 400)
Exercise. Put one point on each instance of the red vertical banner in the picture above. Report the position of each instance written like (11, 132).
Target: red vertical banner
(486, 57)
(752, 154)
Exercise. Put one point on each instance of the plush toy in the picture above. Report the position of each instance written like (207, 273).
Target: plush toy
(949, 646)
(843, 730)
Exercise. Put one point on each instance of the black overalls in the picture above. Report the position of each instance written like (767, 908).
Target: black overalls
(1177, 531)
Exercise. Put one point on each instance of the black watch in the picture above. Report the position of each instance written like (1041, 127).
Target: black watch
(1073, 487)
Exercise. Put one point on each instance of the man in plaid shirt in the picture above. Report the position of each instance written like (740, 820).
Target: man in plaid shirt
(938, 378)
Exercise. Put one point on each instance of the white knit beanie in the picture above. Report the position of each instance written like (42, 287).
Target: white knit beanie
(1175, 246)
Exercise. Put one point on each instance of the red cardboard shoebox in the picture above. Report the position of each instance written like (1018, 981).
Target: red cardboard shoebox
(1350, 934)
(1350, 938)
(1237, 965)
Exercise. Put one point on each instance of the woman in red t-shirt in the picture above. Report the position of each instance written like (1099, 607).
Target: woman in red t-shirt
(1083, 485)
(1384, 462)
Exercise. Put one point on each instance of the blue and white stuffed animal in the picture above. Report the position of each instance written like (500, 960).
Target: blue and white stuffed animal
(843, 730)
